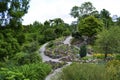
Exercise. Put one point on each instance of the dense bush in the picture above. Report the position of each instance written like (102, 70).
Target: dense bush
(83, 51)
(117, 56)
(66, 33)
(87, 71)
(26, 58)
(78, 71)
(113, 69)
(35, 71)
(30, 47)
(76, 35)
(8, 44)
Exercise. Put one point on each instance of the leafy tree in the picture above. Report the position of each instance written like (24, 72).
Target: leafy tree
(49, 34)
(105, 16)
(118, 21)
(108, 41)
(56, 22)
(84, 10)
(47, 23)
(12, 11)
(90, 26)
(75, 12)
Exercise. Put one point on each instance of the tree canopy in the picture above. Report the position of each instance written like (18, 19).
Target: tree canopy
(84, 10)
(90, 26)
(108, 41)
(12, 11)
(105, 16)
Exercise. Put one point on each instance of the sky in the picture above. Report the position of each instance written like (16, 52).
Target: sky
(42, 10)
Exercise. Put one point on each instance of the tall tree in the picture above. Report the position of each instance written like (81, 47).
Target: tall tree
(105, 16)
(108, 41)
(12, 11)
(84, 10)
(75, 12)
(56, 22)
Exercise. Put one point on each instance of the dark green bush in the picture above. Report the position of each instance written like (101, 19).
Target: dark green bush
(26, 58)
(76, 35)
(41, 39)
(83, 51)
(66, 33)
(30, 47)
(21, 38)
(8, 48)
(117, 56)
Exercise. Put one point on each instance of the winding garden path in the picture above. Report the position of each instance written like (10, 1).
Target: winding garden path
(46, 58)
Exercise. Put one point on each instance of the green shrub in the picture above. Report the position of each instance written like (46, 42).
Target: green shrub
(51, 44)
(78, 71)
(87, 71)
(76, 35)
(36, 71)
(21, 38)
(30, 47)
(41, 39)
(83, 51)
(66, 33)
(26, 58)
(117, 56)
(9, 47)
(113, 69)
(6, 74)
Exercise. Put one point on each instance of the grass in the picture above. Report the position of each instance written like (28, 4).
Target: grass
(77, 71)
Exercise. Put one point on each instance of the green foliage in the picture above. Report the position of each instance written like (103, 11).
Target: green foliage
(66, 33)
(41, 39)
(78, 71)
(21, 39)
(51, 44)
(36, 71)
(118, 21)
(83, 51)
(6, 74)
(8, 44)
(26, 58)
(13, 11)
(105, 16)
(30, 47)
(90, 26)
(117, 57)
(108, 41)
(75, 11)
(49, 34)
(84, 10)
(76, 35)
(113, 69)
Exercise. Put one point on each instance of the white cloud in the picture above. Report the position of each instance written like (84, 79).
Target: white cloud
(42, 10)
